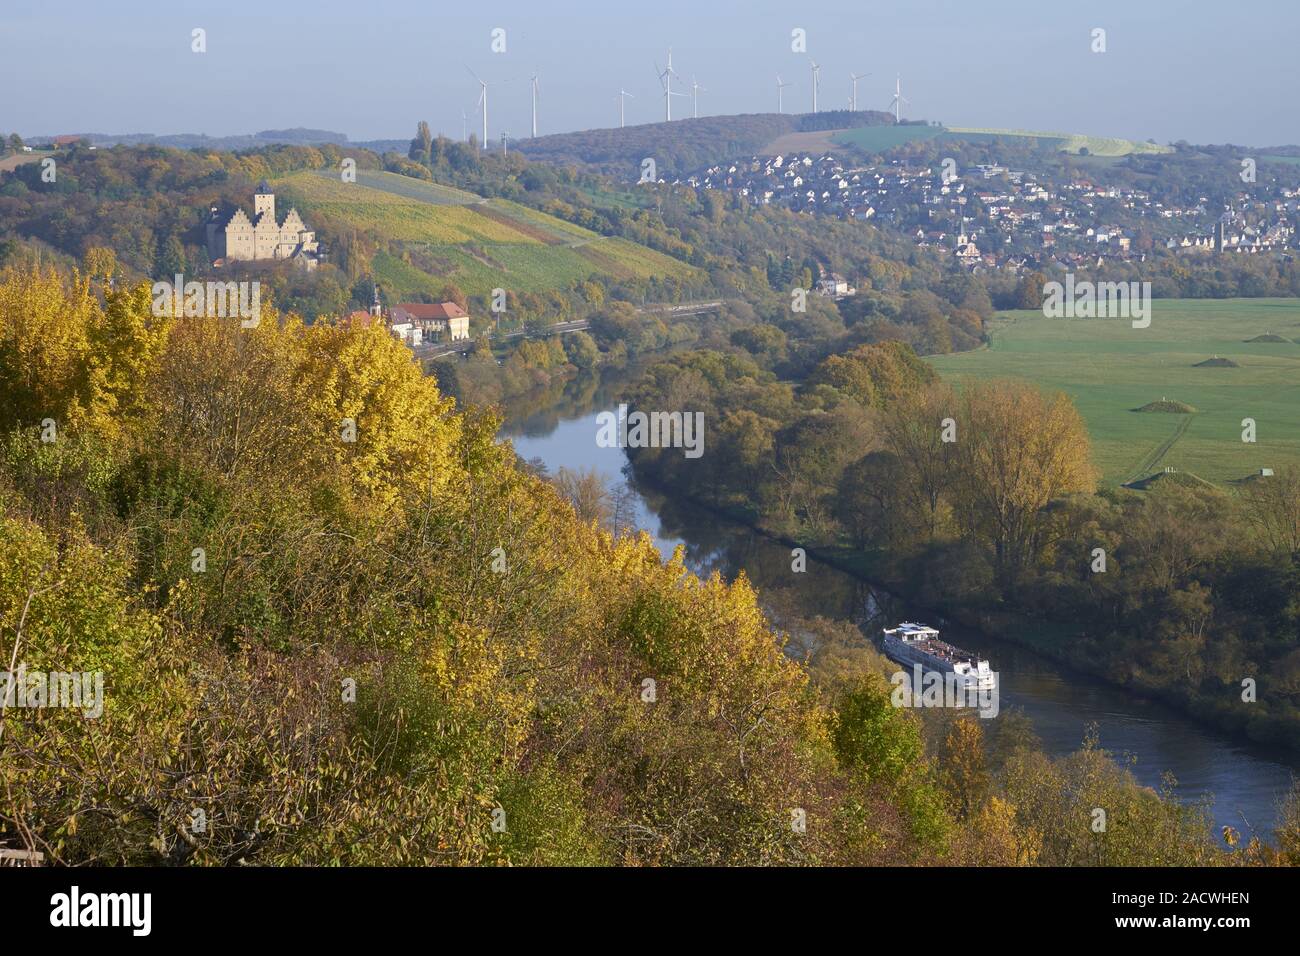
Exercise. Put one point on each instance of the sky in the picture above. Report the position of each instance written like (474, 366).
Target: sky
(1199, 70)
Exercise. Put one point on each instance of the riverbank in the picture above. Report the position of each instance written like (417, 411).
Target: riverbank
(1061, 702)
(1043, 636)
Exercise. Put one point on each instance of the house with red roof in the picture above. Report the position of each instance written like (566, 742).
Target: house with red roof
(442, 320)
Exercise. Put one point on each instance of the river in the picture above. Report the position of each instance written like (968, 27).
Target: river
(1246, 780)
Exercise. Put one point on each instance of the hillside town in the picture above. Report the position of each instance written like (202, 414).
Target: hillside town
(990, 216)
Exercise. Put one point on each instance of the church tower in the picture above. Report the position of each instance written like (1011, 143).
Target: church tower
(264, 202)
(375, 308)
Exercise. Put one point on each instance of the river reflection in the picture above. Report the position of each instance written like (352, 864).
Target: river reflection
(1246, 780)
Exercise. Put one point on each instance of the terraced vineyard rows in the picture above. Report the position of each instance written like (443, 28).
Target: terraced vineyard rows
(437, 234)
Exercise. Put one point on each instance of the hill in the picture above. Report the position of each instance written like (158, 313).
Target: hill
(299, 136)
(685, 145)
(438, 234)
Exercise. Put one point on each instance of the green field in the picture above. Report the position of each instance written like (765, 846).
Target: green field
(1109, 368)
(1065, 142)
(875, 139)
(442, 235)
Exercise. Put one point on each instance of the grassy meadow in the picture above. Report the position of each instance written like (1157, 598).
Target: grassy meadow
(443, 235)
(1110, 368)
(876, 139)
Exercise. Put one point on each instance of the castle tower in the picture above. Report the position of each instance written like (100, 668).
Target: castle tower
(264, 202)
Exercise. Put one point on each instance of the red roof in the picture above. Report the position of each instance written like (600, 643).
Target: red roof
(436, 310)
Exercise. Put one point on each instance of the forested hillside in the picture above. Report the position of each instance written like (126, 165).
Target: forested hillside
(338, 624)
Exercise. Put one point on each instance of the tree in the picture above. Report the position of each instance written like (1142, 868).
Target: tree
(452, 293)
(965, 771)
(581, 350)
(1017, 450)
(1273, 506)
(421, 150)
(1029, 291)
(876, 375)
(868, 499)
(171, 259)
(586, 491)
(810, 455)
(45, 350)
(913, 430)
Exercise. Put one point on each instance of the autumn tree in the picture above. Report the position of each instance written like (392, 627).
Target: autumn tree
(914, 431)
(1273, 505)
(1017, 451)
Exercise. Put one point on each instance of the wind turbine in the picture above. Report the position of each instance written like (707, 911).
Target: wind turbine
(504, 136)
(855, 77)
(695, 97)
(622, 93)
(780, 89)
(464, 126)
(899, 100)
(666, 80)
(482, 102)
(816, 71)
(534, 82)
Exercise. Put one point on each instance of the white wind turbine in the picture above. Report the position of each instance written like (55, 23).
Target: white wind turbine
(855, 77)
(621, 94)
(695, 97)
(534, 82)
(666, 80)
(464, 126)
(816, 71)
(483, 104)
(780, 89)
(899, 100)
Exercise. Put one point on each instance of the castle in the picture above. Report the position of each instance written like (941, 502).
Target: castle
(232, 236)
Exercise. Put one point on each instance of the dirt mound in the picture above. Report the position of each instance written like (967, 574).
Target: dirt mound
(1167, 405)
(1217, 362)
(1184, 479)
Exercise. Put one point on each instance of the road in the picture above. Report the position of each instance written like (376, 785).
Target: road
(437, 350)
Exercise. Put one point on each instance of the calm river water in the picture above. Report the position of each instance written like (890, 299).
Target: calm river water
(1245, 780)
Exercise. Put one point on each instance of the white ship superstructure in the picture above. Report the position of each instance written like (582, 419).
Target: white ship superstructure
(916, 644)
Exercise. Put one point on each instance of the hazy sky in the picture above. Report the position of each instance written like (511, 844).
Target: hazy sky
(1201, 70)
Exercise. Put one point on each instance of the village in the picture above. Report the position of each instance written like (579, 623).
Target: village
(993, 217)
